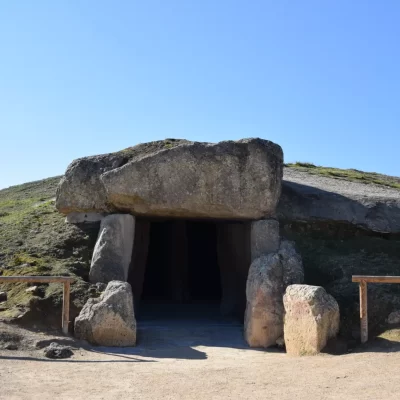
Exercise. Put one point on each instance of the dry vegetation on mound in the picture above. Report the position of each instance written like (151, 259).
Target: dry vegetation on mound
(353, 175)
(35, 240)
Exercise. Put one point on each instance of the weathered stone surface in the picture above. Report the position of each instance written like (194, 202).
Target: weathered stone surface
(333, 252)
(11, 346)
(344, 228)
(394, 318)
(80, 218)
(292, 263)
(109, 320)
(311, 319)
(264, 237)
(33, 290)
(56, 351)
(268, 277)
(80, 189)
(232, 180)
(113, 251)
(307, 197)
(264, 311)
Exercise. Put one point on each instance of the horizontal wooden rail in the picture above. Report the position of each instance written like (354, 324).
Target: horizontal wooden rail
(376, 279)
(363, 280)
(66, 280)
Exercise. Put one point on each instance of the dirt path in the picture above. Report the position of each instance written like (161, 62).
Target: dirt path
(183, 363)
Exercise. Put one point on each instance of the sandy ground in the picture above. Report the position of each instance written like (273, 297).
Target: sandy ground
(207, 361)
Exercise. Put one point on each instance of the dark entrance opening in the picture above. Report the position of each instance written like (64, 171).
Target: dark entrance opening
(189, 269)
(182, 264)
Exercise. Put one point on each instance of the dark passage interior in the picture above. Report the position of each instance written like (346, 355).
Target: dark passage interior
(182, 264)
(183, 268)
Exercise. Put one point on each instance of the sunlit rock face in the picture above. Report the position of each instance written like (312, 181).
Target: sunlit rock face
(177, 178)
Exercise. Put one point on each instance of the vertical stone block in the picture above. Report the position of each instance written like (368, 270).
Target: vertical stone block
(264, 311)
(113, 250)
(264, 237)
(311, 319)
(269, 275)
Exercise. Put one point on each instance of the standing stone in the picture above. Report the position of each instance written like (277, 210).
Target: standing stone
(113, 251)
(264, 311)
(311, 319)
(292, 263)
(268, 278)
(264, 237)
(108, 320)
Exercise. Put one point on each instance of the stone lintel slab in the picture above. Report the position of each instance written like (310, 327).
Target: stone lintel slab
(80, 217)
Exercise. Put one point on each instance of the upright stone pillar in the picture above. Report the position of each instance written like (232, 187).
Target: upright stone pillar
(264, 312)
(275, 265)
(264, 237)
(113, 250)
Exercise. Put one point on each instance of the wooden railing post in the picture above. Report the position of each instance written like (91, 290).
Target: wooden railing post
(65, 309)
(66, 280)
(364, 311)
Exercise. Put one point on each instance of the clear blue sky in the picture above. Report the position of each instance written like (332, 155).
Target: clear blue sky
(80, 77)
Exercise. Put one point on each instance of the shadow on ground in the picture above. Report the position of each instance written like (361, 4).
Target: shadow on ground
(183, 339)
(31, 358)
(380, 345)
(158, 339)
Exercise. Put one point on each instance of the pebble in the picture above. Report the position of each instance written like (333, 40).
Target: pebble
(3, 296)
(55, 350)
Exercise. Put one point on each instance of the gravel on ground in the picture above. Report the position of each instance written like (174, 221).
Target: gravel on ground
(199, 362)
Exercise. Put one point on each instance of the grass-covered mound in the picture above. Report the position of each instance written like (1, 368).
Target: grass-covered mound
(352, 175)
(35, 240)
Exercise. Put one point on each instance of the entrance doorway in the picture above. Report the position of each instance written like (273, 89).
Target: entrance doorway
(189, 269)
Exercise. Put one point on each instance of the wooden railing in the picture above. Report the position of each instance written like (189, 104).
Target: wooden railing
(363, 280)
(48, 279)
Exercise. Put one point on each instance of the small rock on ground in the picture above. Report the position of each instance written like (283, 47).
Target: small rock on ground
(55, 350)
(394, 318)
(11, 346)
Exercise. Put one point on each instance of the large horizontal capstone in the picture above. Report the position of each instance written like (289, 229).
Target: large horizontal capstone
(228, 180)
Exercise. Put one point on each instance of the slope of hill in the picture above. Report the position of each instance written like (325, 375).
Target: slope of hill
(35, 240)
(351, 175)
(344, 223)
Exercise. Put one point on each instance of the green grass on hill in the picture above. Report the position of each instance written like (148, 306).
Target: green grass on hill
(35, 240)
(353, 175)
